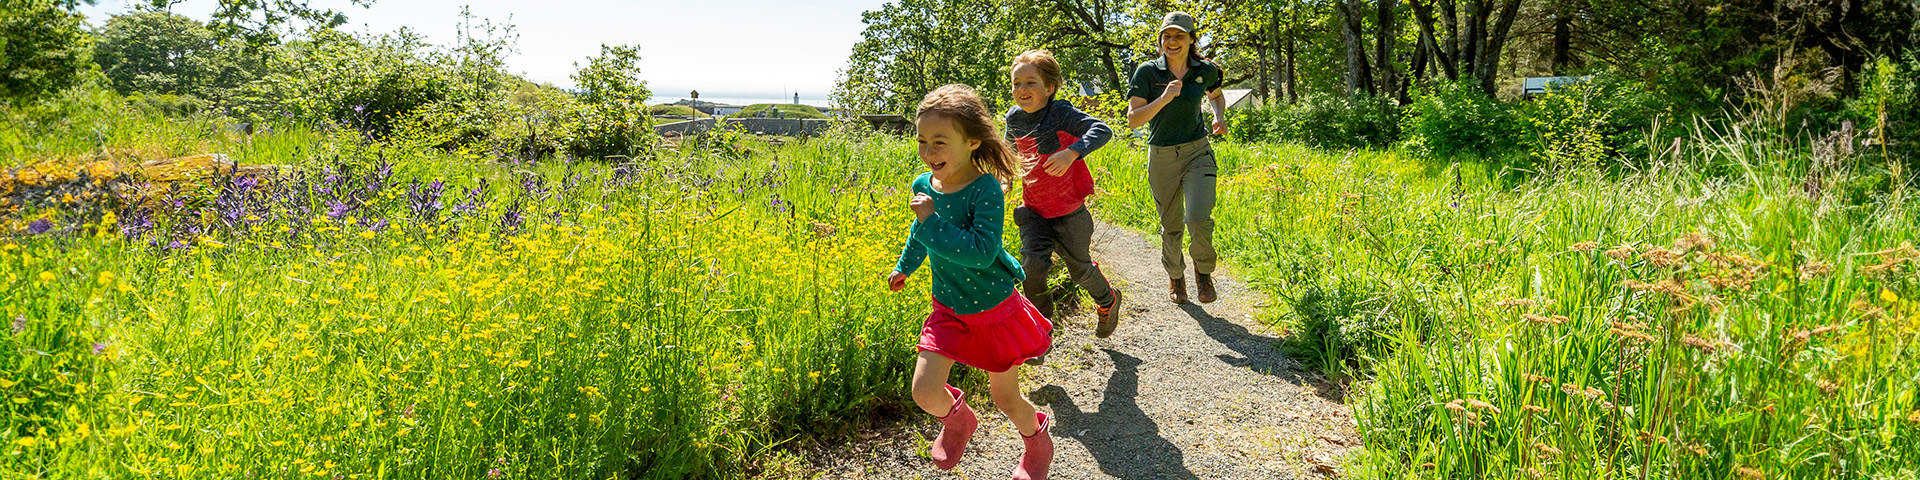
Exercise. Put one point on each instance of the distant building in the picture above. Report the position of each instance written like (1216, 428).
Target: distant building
(1238, 98)
(719, 109)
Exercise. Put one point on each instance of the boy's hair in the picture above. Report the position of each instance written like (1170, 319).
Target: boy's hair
(959, 104)
(1042, 59)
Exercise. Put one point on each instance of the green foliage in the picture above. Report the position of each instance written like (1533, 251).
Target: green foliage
(1889, 107)
(167, 54)
(598, 130)
(611, 117)
(911, 47)
(613, 77)
(1339, 322)
(782, 110)
(1595, 124)
(368, 84)
(1323, 121)
(43, 50)
(1450, 118)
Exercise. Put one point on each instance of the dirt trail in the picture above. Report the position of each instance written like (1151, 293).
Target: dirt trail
(1178, 391)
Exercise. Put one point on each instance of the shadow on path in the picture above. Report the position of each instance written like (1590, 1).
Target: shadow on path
(1258, 352)
(1123, 440)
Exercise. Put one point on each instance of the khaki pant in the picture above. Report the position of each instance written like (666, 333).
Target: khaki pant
(1182, 178)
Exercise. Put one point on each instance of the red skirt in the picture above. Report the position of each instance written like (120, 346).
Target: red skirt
(994, 340)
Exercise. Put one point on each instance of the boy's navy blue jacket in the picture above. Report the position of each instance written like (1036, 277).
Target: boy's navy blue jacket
(1045, 132)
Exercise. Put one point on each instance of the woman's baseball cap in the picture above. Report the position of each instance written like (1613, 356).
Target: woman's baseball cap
(1180, 20)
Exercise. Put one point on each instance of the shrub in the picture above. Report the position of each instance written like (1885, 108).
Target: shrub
(43, 49)
(610, 117)
(1321, 120)
(1340, 322)
(1590, 124)
(597, 130)
(1889, 107)
(1449, 119)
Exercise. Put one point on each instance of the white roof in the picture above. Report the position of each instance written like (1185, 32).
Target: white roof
(1239, 97)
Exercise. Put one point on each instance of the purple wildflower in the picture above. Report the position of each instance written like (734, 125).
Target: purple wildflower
(424, 201)
(136, 223)
(337, 209)
(511, 219)
(476, 199)
(495, 473)
(100, 348)
(39, 226)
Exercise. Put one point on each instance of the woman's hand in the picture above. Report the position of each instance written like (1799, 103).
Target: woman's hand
(1060, 161)
(896, 281)
(1219, 127)
(1173, 89)
(922, 206)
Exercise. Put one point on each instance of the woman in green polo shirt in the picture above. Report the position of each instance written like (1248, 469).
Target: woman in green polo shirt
(1166, 94)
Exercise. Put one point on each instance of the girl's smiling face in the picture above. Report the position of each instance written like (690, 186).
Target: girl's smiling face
(1174, 41)
(1029, 91)
(946, 150)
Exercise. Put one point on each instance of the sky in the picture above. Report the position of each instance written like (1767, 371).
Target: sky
(726, 49)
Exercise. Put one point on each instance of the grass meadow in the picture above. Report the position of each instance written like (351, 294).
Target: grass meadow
(386, 312)
(1741, 309)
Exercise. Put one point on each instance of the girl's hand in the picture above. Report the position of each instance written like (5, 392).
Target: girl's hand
(1060, 161)
(1173, 89)
(1219, 127)
(896, 281)
(922, 206)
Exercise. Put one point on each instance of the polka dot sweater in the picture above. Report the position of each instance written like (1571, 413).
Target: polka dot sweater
(971, 270)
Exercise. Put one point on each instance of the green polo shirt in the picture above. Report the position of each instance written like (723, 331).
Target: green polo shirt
(1180, 120)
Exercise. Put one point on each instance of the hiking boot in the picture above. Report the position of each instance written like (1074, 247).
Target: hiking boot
(1038, 457)
(1177, 290)
(1109, 317)
(955, 430)
(1205, 285)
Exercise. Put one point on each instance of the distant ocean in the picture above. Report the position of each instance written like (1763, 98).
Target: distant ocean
(817, 102)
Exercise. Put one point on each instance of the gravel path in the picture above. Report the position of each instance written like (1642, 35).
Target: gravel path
(1178, 391)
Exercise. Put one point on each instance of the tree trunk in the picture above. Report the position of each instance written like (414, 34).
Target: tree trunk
(1359, 72)
(1288, 74)
(1448, 13)
(1430, 44)
(1562, 39)
(1487, 68)
(1384, 43)
(1474, 38)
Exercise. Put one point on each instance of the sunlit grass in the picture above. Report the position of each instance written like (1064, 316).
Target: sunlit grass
(1671, 324)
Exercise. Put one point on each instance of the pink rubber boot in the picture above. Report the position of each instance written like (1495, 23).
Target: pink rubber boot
(956, 429)
(1039, 455)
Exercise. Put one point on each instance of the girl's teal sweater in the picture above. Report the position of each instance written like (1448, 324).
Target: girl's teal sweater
(971, 271)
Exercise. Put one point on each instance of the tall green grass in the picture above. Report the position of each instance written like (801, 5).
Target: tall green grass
(682, 316)
(1723, 315)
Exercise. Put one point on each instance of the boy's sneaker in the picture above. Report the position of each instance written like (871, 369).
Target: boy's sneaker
(1109, 317)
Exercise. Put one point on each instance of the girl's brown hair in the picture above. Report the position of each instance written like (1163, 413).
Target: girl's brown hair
(959, 104)
(1043, 60)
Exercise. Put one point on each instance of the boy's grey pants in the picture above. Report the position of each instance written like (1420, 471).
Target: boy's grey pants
(1069, 235)
(1182, 178)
